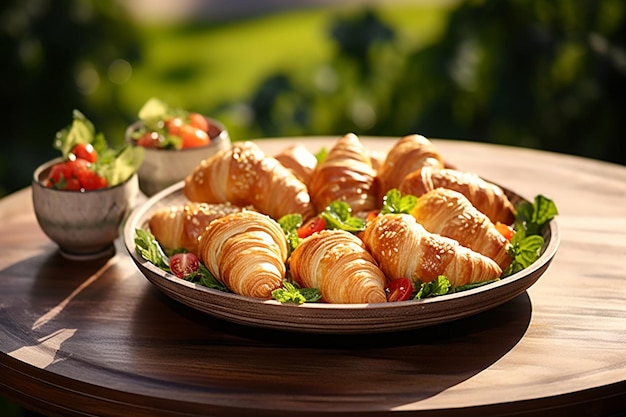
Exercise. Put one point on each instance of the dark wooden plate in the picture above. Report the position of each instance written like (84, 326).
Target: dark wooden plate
(331, 318)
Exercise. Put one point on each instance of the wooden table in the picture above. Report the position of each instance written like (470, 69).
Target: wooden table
(97, 338)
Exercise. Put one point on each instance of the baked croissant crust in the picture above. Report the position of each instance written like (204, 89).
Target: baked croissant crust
(408, 154)
(338, 265)
(346, 174)
(244, 175)
(449, 213)
(403, 248)
(485, 196)
(181, 226)
(299, 160)
(246, 251)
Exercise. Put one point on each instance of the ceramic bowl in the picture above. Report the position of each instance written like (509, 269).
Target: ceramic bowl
(83, 224)
(164, 167)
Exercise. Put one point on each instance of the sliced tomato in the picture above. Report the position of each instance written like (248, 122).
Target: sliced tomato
(399, 289)
(184, 264)
(316, 224)
(193, 137)
(199, 121)
(505, 230)
(85, 151)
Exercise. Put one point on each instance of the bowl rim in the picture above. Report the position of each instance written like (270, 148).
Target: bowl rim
(36, 180)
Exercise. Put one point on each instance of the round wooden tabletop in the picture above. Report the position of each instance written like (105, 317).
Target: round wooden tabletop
(96, 338)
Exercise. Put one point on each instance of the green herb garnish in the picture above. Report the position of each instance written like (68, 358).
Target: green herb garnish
(338, 215)
(395, 202)
(290, 293)
(527, 241)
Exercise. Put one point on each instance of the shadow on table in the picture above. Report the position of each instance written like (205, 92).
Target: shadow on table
(382, 369)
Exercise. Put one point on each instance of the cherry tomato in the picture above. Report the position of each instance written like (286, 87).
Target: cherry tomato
(173, 125)
(184, 264)
(150, 140)
(372, 215)
(193, 137)
(85, 151)
(90, 180)
(316, 224)
(199, 121)
(505, 230)
(58, 173)
(72, 184)
(399, 289)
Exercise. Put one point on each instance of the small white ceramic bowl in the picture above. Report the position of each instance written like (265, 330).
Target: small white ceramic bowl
(83, 224)
(164, 167)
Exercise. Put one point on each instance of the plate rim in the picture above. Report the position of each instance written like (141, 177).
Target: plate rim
(522, 280)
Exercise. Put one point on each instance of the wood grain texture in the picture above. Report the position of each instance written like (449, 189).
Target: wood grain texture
(97, 338)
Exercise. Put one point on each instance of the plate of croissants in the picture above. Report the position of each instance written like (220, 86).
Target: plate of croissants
(464, 244)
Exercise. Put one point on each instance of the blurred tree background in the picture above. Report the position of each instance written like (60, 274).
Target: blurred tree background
(537, 73)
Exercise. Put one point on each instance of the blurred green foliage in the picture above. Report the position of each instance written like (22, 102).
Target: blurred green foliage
(542, 74)
(539, 73)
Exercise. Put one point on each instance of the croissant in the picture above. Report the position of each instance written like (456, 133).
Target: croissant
(244, 175)
(405, 156)
(346, 174)
(337, 263)
(485, 196)
(449, 213)
(246, 251)
(178, 227)
(299, 160)
(403, 248)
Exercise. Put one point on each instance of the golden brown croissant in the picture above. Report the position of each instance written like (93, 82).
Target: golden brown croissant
(403, 248)
(407, 155)
(299, 160)
(345, 175)
(485, 196)
(246, 251)
(181, 226)
(244, 175)
(338, 265)
(449, 213)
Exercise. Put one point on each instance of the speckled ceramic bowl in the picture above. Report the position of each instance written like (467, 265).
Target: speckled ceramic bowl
(164, 167)
(83, 224)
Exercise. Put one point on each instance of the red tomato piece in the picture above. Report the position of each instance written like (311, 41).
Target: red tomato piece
(173, 125)
(372, 215)
(199, 121)
(90, 180)
(184, 264)
(150, 140)
(399, 289)
(505, 230)
(85, 151)
(59, 173)
(193, 137)
(316, 224)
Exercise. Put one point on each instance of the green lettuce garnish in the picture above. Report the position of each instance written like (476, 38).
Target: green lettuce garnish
(527, 242)
(116, 165)
(395, 202)
(291, 293)
(338, 215)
